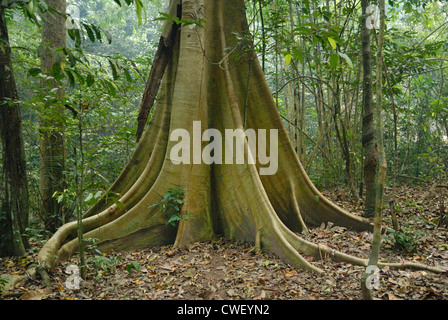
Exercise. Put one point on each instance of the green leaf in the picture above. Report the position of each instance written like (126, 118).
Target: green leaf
(89, 197)
(97, 32)
(114, 69)
(71, 33)
(32, 7)
(90, 80)
(332, 43)
(77, 38)
(34, 72)
(111, 87)
(140, 9)
(90, 33)
(347, 59)
(164, 17)
(71, 77)
(334, 60)
(71, 58)
(288, 59)
(127, 75)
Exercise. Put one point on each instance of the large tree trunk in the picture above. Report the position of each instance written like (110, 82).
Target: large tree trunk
(13, 189)
(204, 83)
(52, 128)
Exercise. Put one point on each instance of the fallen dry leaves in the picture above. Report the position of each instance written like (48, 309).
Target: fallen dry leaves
(221, 269)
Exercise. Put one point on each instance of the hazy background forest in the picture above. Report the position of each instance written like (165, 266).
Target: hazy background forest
(311, 54)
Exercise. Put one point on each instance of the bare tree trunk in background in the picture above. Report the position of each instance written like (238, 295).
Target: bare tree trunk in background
(52, 128)
(14, 205)
(368, 126)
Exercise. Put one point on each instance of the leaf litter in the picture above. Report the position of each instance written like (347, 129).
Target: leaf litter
(222, 269)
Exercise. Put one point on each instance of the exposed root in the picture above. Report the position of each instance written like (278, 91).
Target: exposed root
(299, 215)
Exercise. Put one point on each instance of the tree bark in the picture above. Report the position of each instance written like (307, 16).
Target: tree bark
(52, 128)
(14, 206)
(368, 126)
(382, 169)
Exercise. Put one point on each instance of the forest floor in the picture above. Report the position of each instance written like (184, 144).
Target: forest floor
(222, 269)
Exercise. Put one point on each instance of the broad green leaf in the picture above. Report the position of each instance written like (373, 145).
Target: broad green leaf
(288, 59)
(97, 32)
(89, 196)
(114, 69)
(77, 38)
(90, 33)
(127, 75)
(347, 59)
(90, 80)
(334, 60)
(71, 57)
(98, 194)
(34, 72)
(32, 7)
(71, 77)
(332, 42)
(140, 10)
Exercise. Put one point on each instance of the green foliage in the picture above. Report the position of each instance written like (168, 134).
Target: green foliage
(171, 204)
(132, 266)
(100, 262)
(3, 284)
(36, 236)
(405, 238)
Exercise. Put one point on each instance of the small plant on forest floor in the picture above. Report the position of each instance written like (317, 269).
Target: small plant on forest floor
(132, 266)
(100, 262)
(171, 204)
(3, 284)
(404, 238)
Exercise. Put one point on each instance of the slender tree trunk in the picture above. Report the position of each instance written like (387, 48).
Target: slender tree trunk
(52, 128)
(395, 223)
(14, 207)
(382, 169)
(368, 126)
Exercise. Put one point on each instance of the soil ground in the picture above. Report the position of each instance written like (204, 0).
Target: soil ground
(221, 269)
